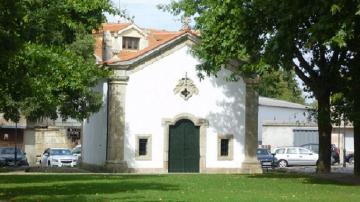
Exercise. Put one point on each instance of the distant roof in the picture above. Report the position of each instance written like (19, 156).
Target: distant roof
(271, 102)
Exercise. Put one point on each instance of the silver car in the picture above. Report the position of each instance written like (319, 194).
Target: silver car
(59, 157)
(290, 156)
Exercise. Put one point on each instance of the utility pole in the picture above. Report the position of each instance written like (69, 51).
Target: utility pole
(344, 163)
(15, 152)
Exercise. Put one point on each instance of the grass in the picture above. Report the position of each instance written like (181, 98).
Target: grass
(190, 187)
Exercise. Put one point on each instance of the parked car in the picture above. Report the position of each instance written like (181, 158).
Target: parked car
(59, 157)
(265, 157)
(311, 146)
(290, 156)
(350, 158)
(76, 151)
(7, 157)
(335, 152)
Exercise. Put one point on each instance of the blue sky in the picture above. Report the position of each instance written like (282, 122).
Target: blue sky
(147, 15)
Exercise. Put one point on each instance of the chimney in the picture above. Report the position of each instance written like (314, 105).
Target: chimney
(107, 46)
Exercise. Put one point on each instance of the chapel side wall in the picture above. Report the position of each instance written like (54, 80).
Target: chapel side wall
(150, 98)
(95, 131)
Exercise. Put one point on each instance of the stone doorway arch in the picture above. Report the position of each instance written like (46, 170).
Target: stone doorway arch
(202, 123)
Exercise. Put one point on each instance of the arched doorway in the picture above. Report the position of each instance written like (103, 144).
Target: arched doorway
(184, 152)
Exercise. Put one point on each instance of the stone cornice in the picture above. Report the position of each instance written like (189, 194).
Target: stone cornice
(119, 80)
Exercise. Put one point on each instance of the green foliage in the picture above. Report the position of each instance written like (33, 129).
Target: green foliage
(318, 40)
(49, 80)
(281, 85)
(46, 48)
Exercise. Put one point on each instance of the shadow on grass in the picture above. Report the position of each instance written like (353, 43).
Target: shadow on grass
(313, 179)
(85, 188)
(45, 178)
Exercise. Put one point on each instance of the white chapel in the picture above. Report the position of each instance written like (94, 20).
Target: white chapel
(158, 116)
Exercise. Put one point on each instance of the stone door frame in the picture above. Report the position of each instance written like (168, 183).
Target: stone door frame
(202, 123)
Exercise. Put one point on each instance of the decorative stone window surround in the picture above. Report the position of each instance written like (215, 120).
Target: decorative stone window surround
(230, 155)
(148, 156)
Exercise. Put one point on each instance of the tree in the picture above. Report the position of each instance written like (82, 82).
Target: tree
(282, 85)
(347, 102)
(47, 67)
(295, 35)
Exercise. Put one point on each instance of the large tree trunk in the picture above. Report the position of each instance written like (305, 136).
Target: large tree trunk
(325, 128)
(356, 123)
(357, 148)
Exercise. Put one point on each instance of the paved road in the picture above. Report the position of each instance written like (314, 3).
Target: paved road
(349, 169)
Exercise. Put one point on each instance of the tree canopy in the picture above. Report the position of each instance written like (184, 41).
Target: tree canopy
(47, 67)
(281, 85)
(310, 38)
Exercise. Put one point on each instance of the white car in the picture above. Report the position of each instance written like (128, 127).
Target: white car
(290, 156)
(59, 157)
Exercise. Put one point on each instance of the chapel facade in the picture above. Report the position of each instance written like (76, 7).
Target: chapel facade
(158, 116)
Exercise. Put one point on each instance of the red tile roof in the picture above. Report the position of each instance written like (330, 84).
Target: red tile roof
(154, 37)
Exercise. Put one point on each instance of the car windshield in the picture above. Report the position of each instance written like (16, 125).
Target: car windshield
(10, 151)
(280, 151)
(262, 152)
(60, 152)
(77, 150)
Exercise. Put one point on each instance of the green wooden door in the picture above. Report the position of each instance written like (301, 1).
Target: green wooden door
(184, 153)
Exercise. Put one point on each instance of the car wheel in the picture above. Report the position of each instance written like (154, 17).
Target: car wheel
(351, 160)
(282, 164)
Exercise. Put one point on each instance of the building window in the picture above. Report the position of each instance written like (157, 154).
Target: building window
(130, 43)
(143, 147)
(225, 147)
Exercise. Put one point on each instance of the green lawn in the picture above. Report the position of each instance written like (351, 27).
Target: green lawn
(197, 187)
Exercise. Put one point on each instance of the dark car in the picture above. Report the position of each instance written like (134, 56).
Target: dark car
(335, 153)
(7, 157)
(265, 157)
(349, 158)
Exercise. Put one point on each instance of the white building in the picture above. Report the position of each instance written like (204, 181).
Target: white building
(158, 116)
(283, 123)
(274, 111)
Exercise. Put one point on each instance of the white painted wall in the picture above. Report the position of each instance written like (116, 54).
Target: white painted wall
(349, 140)
(150, 98)
(280, 135)
(275, 114)
(95, 131)
(343, 137)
